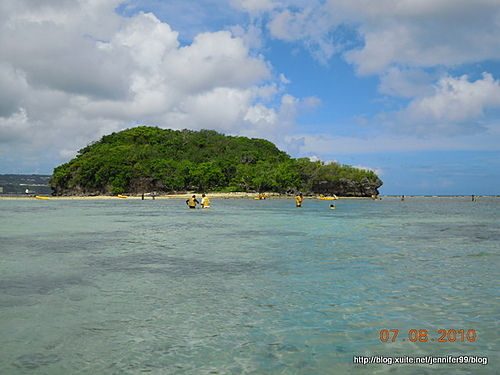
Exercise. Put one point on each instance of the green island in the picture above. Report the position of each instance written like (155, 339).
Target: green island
(148, 159)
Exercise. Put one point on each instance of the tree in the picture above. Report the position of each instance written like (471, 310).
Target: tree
(174, 160)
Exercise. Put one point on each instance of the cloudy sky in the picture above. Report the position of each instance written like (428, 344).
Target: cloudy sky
(408, 88)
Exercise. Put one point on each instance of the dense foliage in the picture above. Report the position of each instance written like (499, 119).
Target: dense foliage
(153, 159)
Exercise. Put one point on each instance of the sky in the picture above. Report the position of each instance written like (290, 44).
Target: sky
(407, 88)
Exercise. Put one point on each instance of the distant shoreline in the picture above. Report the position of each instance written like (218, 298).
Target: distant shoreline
(150, 197)
(240, 195)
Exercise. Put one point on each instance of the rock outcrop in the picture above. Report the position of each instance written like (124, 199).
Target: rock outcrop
(348, 188)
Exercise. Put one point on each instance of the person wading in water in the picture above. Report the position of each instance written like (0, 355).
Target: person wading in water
(192, 202)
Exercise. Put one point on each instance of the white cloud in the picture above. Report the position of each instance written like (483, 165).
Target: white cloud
(283, 79)
(261, 115)
(189, 18)
(251, 35)
(413, 33)
(35, 39)
(255, 6)
(310, 25)
(457, 106)
(15, 127)
(378, 171)
(410, 44)
(221, 108)
(147, 40)
(287, 25)
(74, 71)
(406, 83)
(423, 32)
(13, 88)
(215, 59)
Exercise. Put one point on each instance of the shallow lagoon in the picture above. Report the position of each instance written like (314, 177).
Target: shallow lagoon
(247, 287)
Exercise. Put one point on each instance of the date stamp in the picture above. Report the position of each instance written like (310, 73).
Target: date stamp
(423, 335)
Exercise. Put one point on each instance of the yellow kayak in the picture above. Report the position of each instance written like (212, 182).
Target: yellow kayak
(37, 197)
(328, 198)
(122, 196)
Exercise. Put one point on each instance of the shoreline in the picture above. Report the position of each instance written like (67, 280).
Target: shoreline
(149, 197)
(239, 195)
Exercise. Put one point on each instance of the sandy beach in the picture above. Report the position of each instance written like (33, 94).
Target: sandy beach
(239, 195)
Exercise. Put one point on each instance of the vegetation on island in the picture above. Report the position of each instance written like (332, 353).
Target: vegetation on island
(146, 159)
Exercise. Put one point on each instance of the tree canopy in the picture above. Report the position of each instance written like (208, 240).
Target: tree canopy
(143, 159)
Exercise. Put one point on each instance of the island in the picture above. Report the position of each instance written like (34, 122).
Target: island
(148, 159)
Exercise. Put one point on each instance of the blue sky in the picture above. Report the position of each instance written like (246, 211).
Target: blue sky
(407, 88)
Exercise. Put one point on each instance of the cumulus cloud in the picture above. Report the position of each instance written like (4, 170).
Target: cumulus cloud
(73, 71)
(312, 25)
(215, 59)
(189, 18)
(456, 106)
(454, 114)
(414, 33)
(409, 45)
(36, 38)
(423, 33)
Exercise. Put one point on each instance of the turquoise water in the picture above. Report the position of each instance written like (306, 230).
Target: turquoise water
(247, 287)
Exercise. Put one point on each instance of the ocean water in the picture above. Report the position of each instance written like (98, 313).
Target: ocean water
(248, 287)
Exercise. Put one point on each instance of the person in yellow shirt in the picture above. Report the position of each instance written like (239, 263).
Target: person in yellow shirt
(205, 202)
(298, 200)
(192, 202)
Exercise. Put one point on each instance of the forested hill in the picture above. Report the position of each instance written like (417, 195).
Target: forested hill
(146, 159)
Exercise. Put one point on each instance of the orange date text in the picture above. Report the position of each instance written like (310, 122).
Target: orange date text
(423, 335)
